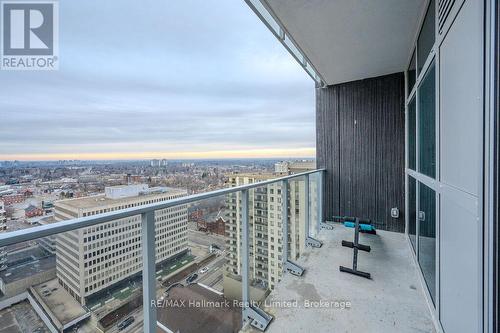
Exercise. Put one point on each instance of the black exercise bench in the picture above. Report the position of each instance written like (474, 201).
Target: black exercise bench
(359, 225)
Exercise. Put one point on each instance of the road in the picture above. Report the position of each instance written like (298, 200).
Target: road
(204, 239)
(136, 326)
(213, 278)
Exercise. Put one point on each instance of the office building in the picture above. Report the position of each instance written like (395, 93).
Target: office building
(92, 259)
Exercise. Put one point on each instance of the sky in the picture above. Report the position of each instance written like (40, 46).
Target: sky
(159, 79)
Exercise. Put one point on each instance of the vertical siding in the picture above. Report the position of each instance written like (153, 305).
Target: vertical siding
(360, 141)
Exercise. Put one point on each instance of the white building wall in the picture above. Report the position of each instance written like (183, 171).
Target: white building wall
(269, 234)
(92, 259)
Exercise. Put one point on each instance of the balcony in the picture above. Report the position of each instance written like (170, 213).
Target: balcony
(377, 300)
(95, 228)
(405, 133)
(329, 300)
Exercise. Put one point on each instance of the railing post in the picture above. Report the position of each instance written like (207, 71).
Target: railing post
(307, 205)
(249, 313)
(284, 218)
(148, 271)
(321, 223)
(319, 203)
(245, 249)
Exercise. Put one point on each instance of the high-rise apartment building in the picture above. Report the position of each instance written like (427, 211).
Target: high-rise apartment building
(158, 163)
(265, 227)
(92, 259)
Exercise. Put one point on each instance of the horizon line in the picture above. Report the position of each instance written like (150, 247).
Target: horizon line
(137, 156)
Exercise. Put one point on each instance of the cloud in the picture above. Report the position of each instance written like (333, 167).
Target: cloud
(159, 76)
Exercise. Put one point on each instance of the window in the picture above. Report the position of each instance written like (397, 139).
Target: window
(427, 36)
(427, 237)
(412, 134)
(421, 150)
(412, 211)
(427, 124)
(412, 74)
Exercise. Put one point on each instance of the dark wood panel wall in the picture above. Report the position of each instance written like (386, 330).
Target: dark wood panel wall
(360, 129)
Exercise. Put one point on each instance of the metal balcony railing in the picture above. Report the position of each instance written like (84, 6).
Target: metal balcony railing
(255, 316)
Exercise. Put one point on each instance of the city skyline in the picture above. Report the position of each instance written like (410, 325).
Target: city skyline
(165, 82)
(306, 153)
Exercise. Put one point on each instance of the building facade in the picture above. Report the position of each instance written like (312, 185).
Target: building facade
(92, 259)
(3, 228)
(265, 226)
(32, 211)
(13, 199)
(3, 217)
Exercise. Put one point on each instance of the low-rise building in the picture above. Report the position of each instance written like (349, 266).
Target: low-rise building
(25, 268)
(32, 211)
(11, 199)
(213, 223)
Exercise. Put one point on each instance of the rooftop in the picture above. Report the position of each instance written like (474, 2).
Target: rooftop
(256, 175)
(102, 200)
(30, 208)
(27, 262)
(61, 304)
(391, 301)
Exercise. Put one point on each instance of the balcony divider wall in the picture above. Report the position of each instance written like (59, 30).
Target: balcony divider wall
(360, 142)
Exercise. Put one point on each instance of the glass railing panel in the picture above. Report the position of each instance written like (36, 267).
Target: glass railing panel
(95, 273)
(233, 267)
(261, 240)
(207, 281)
(87, 279)
(297, 212)
(112, 264)
(314, 204)
(275, 234)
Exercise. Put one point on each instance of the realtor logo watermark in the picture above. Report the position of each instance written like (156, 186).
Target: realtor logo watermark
(29, 36)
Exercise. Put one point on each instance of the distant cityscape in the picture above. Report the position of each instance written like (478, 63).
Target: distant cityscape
(90, 279)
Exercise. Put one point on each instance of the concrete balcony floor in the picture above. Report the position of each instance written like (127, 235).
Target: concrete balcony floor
(391, 301)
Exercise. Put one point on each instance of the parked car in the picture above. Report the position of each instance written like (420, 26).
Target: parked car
(126, 323)
(191, 278)
(214, 248)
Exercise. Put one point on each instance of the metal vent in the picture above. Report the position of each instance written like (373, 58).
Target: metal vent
(444, 8)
